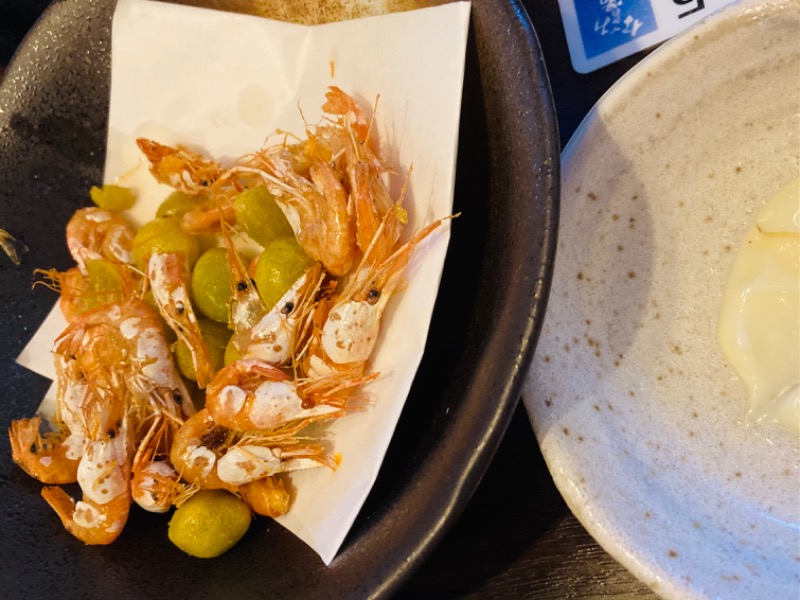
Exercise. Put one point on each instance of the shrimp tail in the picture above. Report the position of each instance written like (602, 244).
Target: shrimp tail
(91, 523)
(41, 457)
(266, 496)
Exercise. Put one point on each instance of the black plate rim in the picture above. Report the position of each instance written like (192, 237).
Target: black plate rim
(524, 84)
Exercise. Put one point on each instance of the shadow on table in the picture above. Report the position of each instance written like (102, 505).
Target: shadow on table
(515, 505)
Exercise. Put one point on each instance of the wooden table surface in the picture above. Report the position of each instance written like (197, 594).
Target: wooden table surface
(516, 539)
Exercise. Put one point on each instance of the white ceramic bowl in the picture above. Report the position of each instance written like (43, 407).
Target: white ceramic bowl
(640, 418)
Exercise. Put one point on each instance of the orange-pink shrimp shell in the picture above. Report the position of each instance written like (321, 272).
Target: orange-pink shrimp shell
(179, 167)
(93, 232)
(168, 274)
(89, 521)
(197, 446)
(251, 394)
(45, 457)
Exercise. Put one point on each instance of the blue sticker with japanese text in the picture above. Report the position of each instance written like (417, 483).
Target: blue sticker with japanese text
(600, 32)
(606, 24)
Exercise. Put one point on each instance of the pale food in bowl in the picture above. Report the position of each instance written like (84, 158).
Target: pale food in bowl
(760, 317)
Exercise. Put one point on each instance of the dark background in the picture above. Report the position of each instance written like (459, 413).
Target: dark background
(516, 538)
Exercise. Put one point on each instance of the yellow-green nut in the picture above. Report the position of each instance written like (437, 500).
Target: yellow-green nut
(211, 284)
(112, 197)
(209, 523)
(161, 235)
(260, 216)
(280, 264)
(178, 204)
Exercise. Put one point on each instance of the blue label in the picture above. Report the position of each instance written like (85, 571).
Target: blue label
(606, 24)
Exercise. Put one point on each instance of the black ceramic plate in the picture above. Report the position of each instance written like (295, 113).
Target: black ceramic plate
(53, 115)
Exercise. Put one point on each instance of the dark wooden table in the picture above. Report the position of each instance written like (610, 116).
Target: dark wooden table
(516, 539)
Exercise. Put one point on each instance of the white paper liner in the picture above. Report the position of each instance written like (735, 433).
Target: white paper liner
(222, 83)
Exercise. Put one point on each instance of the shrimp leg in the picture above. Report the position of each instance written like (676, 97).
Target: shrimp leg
(155, 485)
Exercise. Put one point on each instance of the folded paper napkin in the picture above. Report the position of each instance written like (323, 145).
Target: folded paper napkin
(223, 83)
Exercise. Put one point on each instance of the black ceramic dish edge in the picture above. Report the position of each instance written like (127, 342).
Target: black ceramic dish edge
(529, 288)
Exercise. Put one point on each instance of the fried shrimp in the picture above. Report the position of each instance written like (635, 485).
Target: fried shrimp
(290, 255)
(130, 338)
(276, 337)
(254, 458)
(104, 466)
(350, 326)
(95, 233)
(168, 274)
(179, 167)
(251, 394)
(155, 484)
(91, 522)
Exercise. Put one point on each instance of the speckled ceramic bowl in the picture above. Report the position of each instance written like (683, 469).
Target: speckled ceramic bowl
(53, 118)
(640, 418)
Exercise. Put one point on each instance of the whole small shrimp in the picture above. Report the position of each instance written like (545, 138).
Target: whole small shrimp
(210, 456)
(254, 458)
(370, 199)
(378, 227)
(351, 324)
(91, 522)
(317, 206)
(104, 467)
(93, 232)
(168, 274)
(179, 167)
(341, 104)
(328, 234)
(103, 473)
(53, 457)
(127, 339)
(251, 394)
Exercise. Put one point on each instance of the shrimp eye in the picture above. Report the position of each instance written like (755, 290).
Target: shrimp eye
(112, 434)
(241, 286)
(180, 307)
(287, 308)
(373, 295)
(176, 397)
